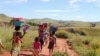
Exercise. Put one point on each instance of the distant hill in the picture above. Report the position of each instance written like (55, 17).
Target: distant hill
(76, 24)
(35, 21)
(47, 20)
(4, 18)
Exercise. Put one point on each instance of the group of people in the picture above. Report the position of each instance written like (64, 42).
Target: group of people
(40, 40)
(43, 38)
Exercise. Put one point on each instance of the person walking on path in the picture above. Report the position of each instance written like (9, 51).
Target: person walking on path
(52, 43)
(16, 44)
(36, 47)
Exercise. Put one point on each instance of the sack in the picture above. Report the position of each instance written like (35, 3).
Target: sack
(25, 28)
(53, 28)
(18, 21)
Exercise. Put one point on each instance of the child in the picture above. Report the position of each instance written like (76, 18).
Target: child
(52, 41)
(36, 47)
(16, 43)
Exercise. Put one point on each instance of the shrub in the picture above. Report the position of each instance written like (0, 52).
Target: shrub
(62, 34)
(95, 43)
(59, 54)
(83, 51)
(86, 40)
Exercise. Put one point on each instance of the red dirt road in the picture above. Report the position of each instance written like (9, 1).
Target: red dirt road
(62, 46)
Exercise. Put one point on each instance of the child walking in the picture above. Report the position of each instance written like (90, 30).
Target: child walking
(52, 41)
(36, 47)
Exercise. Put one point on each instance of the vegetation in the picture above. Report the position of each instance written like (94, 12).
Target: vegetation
(6, 35)
(33, 22)
(83, 37)
(59, 54)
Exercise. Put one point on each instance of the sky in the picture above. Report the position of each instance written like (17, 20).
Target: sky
(70, 10)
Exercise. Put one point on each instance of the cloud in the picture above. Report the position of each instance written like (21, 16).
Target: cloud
(15, 1)
(45, 0)
(89, 1)
(50, 10)
(74, 3)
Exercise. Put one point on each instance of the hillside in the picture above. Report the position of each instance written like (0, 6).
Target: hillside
(47, 20)
(4, 18)
(35, 21)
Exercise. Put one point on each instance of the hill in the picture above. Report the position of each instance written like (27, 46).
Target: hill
(4, 18)
(60, 23)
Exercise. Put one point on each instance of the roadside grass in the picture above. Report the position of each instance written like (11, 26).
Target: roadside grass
(87, 45)
(6, 35)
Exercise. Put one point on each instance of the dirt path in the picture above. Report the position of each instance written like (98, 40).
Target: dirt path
(62, 46)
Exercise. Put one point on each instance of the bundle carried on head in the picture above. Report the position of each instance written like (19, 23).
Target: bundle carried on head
(53, 29)
(42, 26)
(17, 22)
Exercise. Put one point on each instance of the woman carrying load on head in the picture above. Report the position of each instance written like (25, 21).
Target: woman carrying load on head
(45, 33)
(41, 34)
(52, 30)
(16, 43)
(16, 40)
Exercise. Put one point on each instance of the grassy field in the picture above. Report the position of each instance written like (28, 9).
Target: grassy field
(84, 45)
(6, 35)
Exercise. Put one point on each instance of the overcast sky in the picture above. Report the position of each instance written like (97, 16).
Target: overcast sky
(78, 10)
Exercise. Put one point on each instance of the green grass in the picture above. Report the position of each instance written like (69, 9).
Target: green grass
(6, 35)
(87, 45)
(78, 42)
(59, 54)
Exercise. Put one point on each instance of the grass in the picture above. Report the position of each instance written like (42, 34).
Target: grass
(84, 45)
(87, 45)
(59, 54)
(6, 35)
